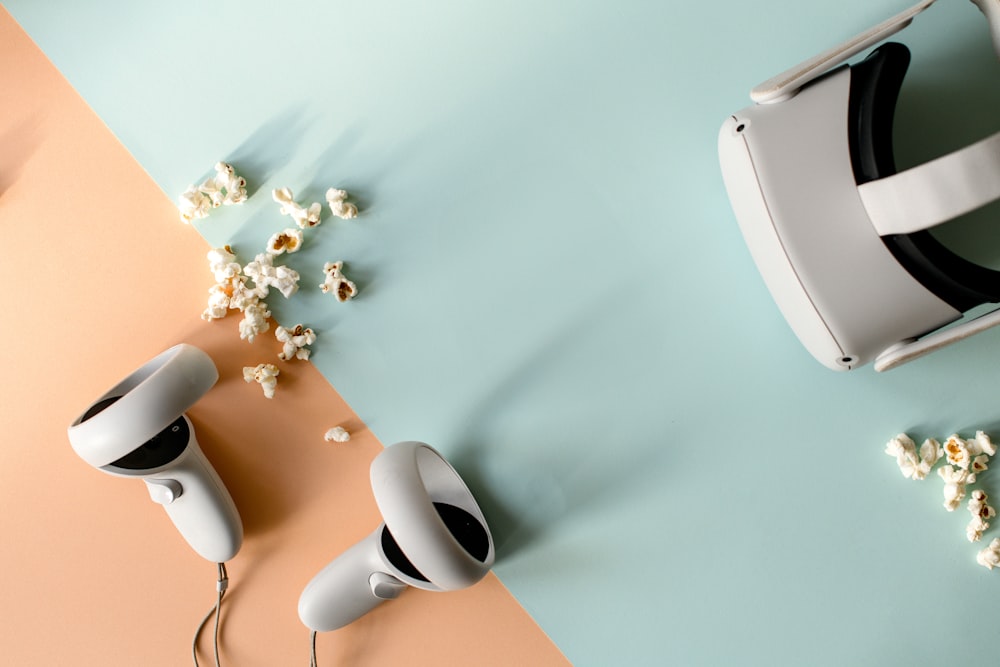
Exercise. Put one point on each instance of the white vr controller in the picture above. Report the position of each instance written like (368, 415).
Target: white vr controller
(138, 429)
(434, 537)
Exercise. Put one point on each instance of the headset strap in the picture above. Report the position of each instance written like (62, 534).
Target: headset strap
(936, 191)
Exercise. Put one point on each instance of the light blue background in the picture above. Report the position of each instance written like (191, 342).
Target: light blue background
(554, 292)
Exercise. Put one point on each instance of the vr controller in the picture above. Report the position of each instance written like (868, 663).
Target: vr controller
(138, 429)
(434, 537)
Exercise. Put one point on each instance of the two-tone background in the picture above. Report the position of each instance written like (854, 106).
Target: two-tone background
(553, 293)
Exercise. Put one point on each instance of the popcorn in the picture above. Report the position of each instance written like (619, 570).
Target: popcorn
(335, 282)
(339, 206)
(295, 341)
(213, 191)
(289, 240)
(224, 189)
(981, 444)
(193, 204)
(337, 434)
(956, 452)
(254, 321)
(266, 375)
(955, 481)
(261, 271)
(220, 256)
(235, 187)
(286, 281)
(990, 556)
(930, 453)
(218, 304)
(980, 512)
(980, 464)
(266, 275)
(905, 451)
(303, 217)
(242, 297)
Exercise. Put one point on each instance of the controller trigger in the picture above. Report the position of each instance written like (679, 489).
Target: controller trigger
(385, 586)
(164, 491)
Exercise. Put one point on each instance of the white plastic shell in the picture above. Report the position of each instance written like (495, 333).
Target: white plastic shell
(788, 172)
(151, 398)
(407, 479)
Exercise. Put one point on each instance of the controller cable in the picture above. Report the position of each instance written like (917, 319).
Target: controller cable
(312, 650)
(220, 586)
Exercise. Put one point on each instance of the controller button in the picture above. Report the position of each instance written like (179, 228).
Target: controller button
(385, 586)
(163, 491)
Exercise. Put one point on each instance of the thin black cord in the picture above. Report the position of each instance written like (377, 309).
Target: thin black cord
(312, 650)
(220, 586)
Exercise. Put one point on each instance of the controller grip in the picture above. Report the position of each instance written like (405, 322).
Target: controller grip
(201, 508)
(342, 592)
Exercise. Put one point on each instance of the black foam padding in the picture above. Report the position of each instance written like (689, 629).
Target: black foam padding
(875, 86)
(464, 527)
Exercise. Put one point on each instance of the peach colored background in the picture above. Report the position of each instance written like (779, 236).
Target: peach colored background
(100, 276)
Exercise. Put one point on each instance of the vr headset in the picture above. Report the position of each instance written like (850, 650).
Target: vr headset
(840, 237)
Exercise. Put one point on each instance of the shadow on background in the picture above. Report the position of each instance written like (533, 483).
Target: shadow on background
(273, 145)
(559, 480)
(18, 142)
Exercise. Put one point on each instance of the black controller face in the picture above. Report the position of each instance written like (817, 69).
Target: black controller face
(463, 526)
(158, 451)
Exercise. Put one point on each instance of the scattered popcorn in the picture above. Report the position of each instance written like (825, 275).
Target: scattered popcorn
(221, 256)
(289, 240)
(295, 341)
(266, 375)
(303, 217)
(218, 304)
(234, 187)
(955, 481)
(990, 556)
(337, 434)
(225, 189)
(339, 206)
(905, 451)
(266, 275)
(335, 282)
(980, 464)
(956, 452)
(980, 512)
(261, 272)
(242, 297)
(230, 291)
(254, 321)
(213, 191)
(930, 453)
(981, 444)
(193, 204)
(285, 280)
(222, 262)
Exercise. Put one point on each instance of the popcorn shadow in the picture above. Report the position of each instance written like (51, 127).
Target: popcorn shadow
(269, 148)
(334, 169)
(18, 141)
(363, 277)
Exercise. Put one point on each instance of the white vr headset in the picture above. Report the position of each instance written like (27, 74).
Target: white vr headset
(840, 237)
